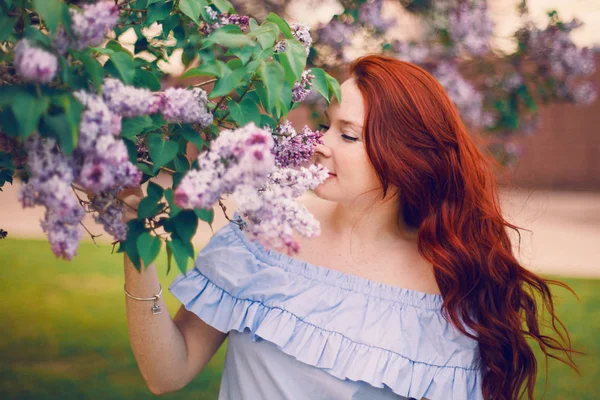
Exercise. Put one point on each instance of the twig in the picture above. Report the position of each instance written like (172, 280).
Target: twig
(91, 234)
(169, 170)
(206, 83)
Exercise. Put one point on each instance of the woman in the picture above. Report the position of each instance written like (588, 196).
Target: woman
(410, 291)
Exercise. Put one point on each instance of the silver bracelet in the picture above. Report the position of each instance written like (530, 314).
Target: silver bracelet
(155, 308)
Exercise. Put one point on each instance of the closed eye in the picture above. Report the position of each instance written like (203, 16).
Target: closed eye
(350, 138)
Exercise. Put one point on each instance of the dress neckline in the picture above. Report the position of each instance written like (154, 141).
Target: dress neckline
(338, 278)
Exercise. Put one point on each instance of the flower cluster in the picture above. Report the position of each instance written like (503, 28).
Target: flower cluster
(109, 213)
(470, 26)
(336, 36)
(34, 64)
(49, 185)
(558, 57)
(370, 14)
(236, 157)
(91, 24)
(293, 149)
(301, 33)
(302, 87)
(463, 94)
(129, 101)
(185, 106)
(222, 19)
(272, 214)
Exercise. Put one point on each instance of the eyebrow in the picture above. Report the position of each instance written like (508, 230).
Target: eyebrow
(345, 122)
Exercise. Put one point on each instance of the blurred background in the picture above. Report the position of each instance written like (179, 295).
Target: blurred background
(522, 75)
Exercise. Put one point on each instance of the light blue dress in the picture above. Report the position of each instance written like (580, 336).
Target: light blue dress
(300, 331)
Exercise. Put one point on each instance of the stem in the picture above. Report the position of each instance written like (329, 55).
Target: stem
(240, 99)
(206, 83)
(169, 170)
(91, 234)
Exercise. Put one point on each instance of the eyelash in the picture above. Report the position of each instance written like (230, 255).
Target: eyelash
(346, 137)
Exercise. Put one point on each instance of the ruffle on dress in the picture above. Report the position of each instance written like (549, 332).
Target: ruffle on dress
(349, 326)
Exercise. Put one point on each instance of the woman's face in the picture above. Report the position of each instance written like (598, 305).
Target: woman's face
(343, 151)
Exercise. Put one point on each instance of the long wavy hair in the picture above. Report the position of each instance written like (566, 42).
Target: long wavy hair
(447, 190)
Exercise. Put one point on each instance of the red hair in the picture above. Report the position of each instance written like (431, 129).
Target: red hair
(417, 143)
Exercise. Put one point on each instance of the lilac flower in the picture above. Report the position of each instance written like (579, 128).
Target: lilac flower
(370, 14)
(279, 47)
(110, 214)
(336, 34)
(129, 101)
(63, 231)
(583, 93)
(186, 106)
(93, 22)
(272, 213)
(301, 33)
(61, 41)
(415, 53)
(34, 64)
(219, 20)
(236, 157)
(463, 94)
(302, 87)
(470, 26)
(294, 149)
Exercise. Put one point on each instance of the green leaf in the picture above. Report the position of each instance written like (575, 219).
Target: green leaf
(92, 68)
(228, 36)
(155, 191)
(28, 110)
(135, 125)
(7, 25)
(8, 122)
(173, 208)
(228, 82)
(148, 246)
(192, 8)
(205, 215)
(266, 34)
(293, 60)
(182, 164)
(149, 207)
(320, 82)
(216, 68)
(223, 6)
(272, 75)
(186, 223)
(180, 252)
(123, 62)
(161, 151)
(334, 87)
(134, 229)
(59, 126)
(282, 24)
(191, 136)
(51, 12)
(158, 12)
(146, 79)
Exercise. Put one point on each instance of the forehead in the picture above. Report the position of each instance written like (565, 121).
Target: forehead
(352, 107)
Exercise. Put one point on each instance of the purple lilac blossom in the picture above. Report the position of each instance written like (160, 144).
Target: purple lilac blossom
(61, 41)
(293, 149)
(370, 14)
(110, 213)
(336, 34)
(129, 101)
(470, 26)
(302, 87)
(186, 106)
(236, 157)
(219, 20)
(91, 25)
(463, 94)
(34, 64)
(272, 213)
(50, 186)
(415, 53)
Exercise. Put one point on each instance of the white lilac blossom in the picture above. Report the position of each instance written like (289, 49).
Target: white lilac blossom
(34, 64)
(301, 33)
(302, 87)
(129, 101)
(583, 93)
(293, 149)
(91, 25)
(463, 94)
(236, 157)
(470, 26)
(185, 106)
(370, 14)
(49, 185)
(272, 214)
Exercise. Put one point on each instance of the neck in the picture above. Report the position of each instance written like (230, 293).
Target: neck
(369, 221)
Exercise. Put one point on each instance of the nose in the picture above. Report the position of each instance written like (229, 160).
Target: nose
(323, 150)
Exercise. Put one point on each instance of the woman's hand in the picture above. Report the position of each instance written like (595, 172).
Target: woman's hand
(131, 197)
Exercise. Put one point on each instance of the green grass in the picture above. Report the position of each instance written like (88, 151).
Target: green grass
(65, 331)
